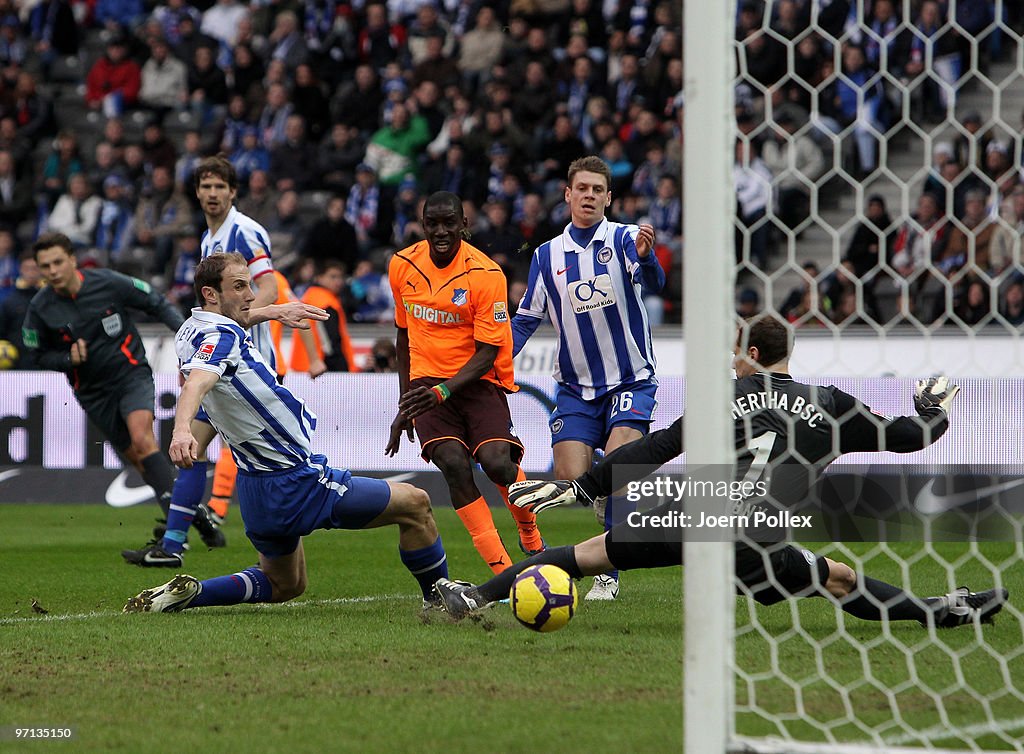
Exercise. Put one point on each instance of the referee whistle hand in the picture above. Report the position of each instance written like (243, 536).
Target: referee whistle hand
(537, 496)
(79, 352)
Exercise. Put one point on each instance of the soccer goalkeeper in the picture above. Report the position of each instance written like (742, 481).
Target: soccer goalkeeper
(768, 572)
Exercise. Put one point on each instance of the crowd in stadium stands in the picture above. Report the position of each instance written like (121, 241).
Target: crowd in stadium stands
(956, 258)
(341, 117)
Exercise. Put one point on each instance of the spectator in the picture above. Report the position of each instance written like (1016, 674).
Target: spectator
(459, 122)
(114, 226)
(222, 20)
(621, 168)
(19, 147)
(116, 15)
(169, 17)
(534, 102)
(358, 103)
(60, 165)
(15, 195)
(363, 210)
(501, 241)
(666, 213)
(436, 66)
(858, 100)
(497, 126)
(933, 47)
(15, 305)
(191, 39)
(383, 357)
(453, 173)
(332, 236)
(287, 231)
(1013, 304)
(839, 286)
(32, 112)
(158, 150)
(338, 156)
(333, 344)
(235, 124)
(873, 239)
(207, 86)
(8, 264)
(922, 238)
(53, 31)
(809, 279)
(370, 295)
(191, 154)
(274, 116)
(1004, 250)
(560, 149)
(76, 212)
(181, 290)
(407, 199)
(796, 161)
(260, 200)
(392, 150)
(428, 24)
(293, 162)
(161, 216)
(482, 47)
(748, 303)
(245, 77)
(164, 80)
(380, 42)
(426, 101)
(103, 164)
(250, 155)
(971, 237)
(286, 42)
(311, 103)
(753, 183)
(970, 147)
(114, 80)
(973, 307)
(534, 226)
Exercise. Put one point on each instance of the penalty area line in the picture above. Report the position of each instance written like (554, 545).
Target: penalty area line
(293, 605)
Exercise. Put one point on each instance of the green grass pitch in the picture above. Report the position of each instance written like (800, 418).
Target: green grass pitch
(351, 665)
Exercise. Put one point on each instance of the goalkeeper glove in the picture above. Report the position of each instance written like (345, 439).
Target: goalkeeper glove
(935, 392)
(537, 496)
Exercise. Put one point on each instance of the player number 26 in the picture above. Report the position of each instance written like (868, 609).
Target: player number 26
(622, 402)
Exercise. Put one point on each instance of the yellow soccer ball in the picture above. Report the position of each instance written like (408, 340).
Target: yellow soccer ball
(8, 354)
(543, 598)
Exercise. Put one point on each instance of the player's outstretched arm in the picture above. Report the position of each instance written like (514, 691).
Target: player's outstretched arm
(184, 446)
(293, 314)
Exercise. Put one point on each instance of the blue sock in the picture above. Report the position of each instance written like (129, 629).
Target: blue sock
(615, 512)
(427, 565)
(186, 495)
(250, 585)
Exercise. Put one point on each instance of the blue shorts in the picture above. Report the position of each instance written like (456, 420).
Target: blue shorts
(590, 422)
(279, 507)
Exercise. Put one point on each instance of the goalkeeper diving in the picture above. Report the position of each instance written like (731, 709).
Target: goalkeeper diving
(765, 416)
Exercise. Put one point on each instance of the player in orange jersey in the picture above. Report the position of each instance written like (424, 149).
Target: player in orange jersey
(225, 471)
(455, 367)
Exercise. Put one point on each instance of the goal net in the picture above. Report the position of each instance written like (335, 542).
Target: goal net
(874, 201)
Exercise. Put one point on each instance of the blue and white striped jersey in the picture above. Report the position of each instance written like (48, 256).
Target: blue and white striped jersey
(594, 298)
(267, 428)
(240, 233)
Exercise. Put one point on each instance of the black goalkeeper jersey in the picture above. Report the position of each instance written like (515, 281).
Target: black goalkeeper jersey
(786, 432)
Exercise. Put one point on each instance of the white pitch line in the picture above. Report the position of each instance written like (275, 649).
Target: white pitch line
(303, 603)
(942, 732)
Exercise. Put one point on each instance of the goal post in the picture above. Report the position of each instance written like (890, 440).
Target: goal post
(708, 321)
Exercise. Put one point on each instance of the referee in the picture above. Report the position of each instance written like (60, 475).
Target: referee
(79, 324)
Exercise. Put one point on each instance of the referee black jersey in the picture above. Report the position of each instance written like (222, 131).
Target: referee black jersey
(786, 432)
(99, 315)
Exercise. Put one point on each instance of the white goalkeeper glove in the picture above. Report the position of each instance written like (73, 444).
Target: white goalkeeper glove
(537, 496)
(935, 392)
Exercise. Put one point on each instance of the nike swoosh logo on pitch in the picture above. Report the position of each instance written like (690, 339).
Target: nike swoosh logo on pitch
(928, 502)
